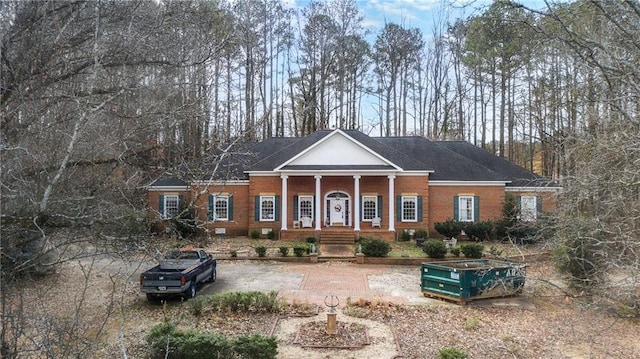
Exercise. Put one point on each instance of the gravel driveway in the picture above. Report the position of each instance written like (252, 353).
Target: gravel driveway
(314, 282)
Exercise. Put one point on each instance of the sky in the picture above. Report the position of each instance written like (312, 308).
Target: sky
(426, 15)
(422, 14)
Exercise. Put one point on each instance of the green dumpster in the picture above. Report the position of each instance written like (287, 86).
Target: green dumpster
(466, 280)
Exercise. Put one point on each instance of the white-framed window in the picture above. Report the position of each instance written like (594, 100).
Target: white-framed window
(369, 208)
(528, 208)
(409, 208)
(220, 208)
(267, 208)
(465, 208)
(305, 206)
(171, 205)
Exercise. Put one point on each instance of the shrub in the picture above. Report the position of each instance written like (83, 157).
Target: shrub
(261, 251)
(311, 240)
(255, 234)
(472, 250)
(434, 248)
(455, 251)
(421, 233)
(271, 235)
(452, 353)
(579, 257)
(166, 341)
(284, 251)
(196, 306)
(255, 347)
(374, 247)
(299, 250)
(253, 302)
(449, 228)
(479, 231)
(405, 236)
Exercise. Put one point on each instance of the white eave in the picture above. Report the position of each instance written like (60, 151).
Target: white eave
(168, 188)
(221, 183)
(533, 189)
(468, 183)
(337, 132)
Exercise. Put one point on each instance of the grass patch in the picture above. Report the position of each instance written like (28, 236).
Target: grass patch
(406, 250)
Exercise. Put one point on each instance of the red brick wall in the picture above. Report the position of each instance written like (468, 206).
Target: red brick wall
(441, 202)
(200, 196)
(262, 185)
(235, 226)
(549, 199)
(412, 185)
(437, 200)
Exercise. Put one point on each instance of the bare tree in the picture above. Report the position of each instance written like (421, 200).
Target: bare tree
(597, 233)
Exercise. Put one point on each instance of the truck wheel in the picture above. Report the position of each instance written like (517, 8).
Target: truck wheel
(191, 292)
(214, 275)
(151, 297)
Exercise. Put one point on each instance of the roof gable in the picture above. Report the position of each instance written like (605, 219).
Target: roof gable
(337, 149)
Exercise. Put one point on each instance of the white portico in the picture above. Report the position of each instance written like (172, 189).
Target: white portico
(331, 161)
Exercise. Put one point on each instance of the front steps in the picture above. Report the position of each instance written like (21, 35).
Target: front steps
(337, 245)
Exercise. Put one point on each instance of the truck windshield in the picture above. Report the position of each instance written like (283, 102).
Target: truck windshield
(182, 255)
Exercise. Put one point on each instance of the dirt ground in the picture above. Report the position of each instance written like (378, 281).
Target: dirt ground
(98, 300)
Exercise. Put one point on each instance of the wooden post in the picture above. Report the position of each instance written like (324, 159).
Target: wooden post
(332, 328)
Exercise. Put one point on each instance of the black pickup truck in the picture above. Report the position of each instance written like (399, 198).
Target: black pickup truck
(179, 274)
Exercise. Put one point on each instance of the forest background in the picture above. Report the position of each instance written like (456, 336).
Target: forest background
(99, 98)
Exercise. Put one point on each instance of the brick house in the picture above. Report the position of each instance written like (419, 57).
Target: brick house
(345, 183)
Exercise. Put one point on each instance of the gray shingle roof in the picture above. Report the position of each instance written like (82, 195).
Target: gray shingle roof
(519, 176)
(169, 181)
(447, 165)
(449, 160)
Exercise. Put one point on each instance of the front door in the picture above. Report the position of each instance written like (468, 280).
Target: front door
(337, 211)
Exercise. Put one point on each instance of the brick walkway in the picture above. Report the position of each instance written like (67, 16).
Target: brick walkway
(341, 279)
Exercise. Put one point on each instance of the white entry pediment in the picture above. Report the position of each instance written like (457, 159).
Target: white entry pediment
(338, 149)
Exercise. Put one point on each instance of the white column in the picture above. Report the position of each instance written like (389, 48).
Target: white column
(392, 201)
(356, 203)
(283, 203)
(317, 209)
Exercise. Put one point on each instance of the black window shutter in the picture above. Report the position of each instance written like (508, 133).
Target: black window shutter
(161, 206)
(456, 208)
(257, 208)
(476, 208)
(210, 208)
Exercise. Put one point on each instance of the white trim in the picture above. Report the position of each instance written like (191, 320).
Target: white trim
(310, 199)
(262, 173)
(468, 183)
(326, 138)
(221, 183)
(415, 173)
(375, 201)
(168, 188)
(262, 199)
(216, 197)
(533, 189)
(339, 173)
(471, 208)
(347, 172)
(414, 199)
